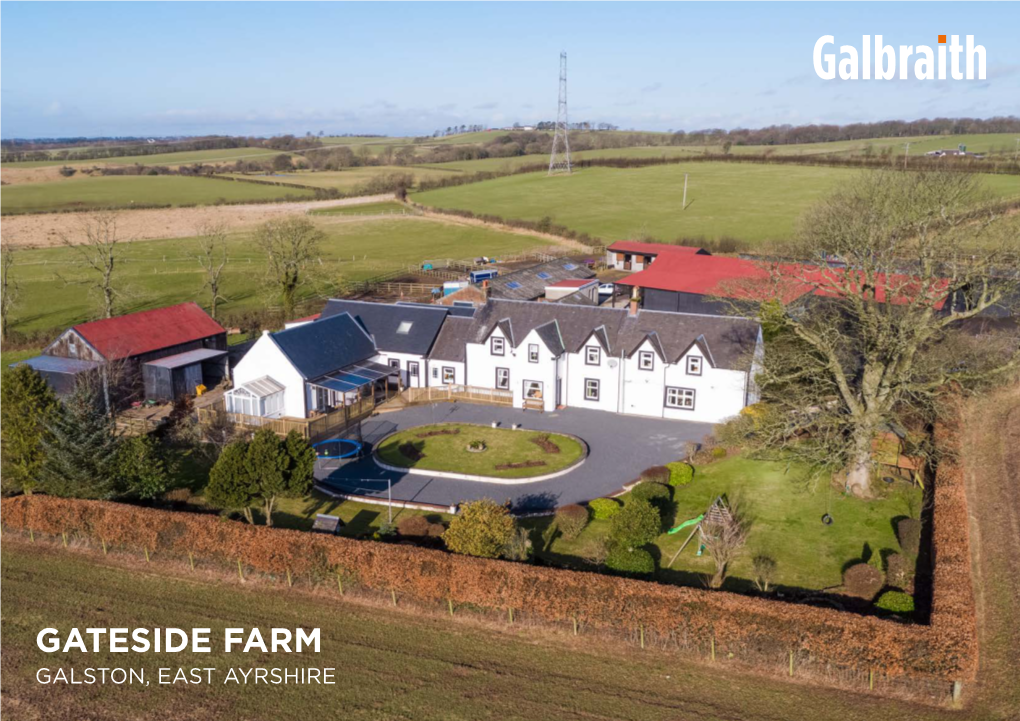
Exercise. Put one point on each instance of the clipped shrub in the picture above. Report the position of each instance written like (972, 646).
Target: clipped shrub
(896, 602)
(657, 494)
(413, 526)
(571, 520)
(602, 509)
(718, 452)
(908, 533)
(680, 473)
(482, 528)
(655, 474)
(630, 562)
(636, 524)
(899, 571)
(863, 580)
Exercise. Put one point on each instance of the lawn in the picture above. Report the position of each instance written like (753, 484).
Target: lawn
(122, 191)
(449, 451)
(754, 203)
(391, 663)
(155, 273)
(786, 509)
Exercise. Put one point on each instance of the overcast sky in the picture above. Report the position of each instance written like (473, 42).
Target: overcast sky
(410, 68)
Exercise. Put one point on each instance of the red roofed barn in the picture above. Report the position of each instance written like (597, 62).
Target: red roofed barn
(173, 349)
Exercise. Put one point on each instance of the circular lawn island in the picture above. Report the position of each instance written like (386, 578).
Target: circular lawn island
(473, 450)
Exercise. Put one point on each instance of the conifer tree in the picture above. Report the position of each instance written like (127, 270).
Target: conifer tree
(81, 449)
(29, 406)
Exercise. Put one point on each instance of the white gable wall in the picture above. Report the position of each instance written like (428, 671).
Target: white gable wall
(482, 365)
(266, 359)
(719, 393)
(406, 379)
(608, 377)
(643, 389)
(436, 375)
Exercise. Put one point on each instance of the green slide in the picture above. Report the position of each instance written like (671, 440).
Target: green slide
(687, 524)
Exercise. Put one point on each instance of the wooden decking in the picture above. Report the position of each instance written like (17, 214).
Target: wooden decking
(320, 426)
(451, 393)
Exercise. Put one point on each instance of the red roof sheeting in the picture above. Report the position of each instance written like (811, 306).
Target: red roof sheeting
(634, 246)
(737, 278)
(148, 330)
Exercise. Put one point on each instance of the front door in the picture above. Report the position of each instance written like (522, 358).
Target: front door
(412, 374)
(397, 376)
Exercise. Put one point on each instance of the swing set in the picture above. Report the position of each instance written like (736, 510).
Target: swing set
(717, 513)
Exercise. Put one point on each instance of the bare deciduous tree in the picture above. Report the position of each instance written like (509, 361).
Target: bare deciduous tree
(9, 287)
(290, 246)
(879, 340)
(723, 540)
(96, 245)
(212, 256)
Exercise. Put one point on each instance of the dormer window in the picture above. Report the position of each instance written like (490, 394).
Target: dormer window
(694, 365)
(497, 345)
(592, 355)
(405, 327)
(646, 360)
(533, 352)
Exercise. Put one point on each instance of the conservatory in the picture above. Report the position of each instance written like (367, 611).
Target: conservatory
(261, 397)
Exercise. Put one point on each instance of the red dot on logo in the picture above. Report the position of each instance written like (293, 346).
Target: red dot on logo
(942, 39)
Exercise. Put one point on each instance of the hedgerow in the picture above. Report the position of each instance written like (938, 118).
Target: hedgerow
(753, 627)
(630, 561)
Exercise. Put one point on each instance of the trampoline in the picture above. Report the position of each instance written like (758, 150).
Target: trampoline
(335, 452)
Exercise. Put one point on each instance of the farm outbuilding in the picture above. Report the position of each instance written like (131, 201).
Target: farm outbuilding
(61, 373)
(178, 375)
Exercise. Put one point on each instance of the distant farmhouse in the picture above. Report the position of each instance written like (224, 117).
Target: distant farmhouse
(634, 255)
(167, 351)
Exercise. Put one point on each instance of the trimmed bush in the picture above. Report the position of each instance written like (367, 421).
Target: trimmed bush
(680, 473)
(863, 580)
(655, 474)
(630, 562)
(896, 602)
(602, 509)
(908, 532)
(482, 528)
(638, 523)
(899, 571)
(654, 493)
(414, 526)
(718, 452)
(571, 520)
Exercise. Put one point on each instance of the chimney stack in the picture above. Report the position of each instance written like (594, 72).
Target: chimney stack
(485, 291)
(635, 301)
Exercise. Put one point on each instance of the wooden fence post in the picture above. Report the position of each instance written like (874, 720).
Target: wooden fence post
(449, 604)
(290, 583)
(146, 554)
(511, 611)
(31, 534)
(712, 641)
(642, 631)
(871, 680)
(393, 595)
(103, 541)
(791, 663)
(575, 625)
(191, 560)
(239, 571)
(63, 534)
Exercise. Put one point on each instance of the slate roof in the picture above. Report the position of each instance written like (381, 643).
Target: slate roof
(325, 345)
(635, 246)
(452, 339)
(730, 340)
(578, 297)
(528, 283)
(133, 334)
(383, 320)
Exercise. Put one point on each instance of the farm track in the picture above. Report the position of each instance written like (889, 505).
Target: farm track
(46, 230)
(992, 463)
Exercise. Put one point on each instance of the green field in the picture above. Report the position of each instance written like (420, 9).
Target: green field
(155, 273)
(348, 180)
(224, 155)
(503, 446)
(751, 202)
(124, 191)
(391, 663)
(785, 508)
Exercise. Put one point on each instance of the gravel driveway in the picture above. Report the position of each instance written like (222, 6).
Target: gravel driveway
(620, 448)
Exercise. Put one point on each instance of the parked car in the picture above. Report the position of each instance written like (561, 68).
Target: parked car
(606, 289)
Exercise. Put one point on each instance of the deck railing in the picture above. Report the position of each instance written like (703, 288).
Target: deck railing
(311, 428)
(450, 393)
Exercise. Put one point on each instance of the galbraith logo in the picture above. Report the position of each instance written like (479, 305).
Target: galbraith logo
(886, 60)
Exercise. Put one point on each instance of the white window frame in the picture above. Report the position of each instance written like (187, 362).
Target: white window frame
(450, 379)
(683, 399)
(649, 356)
(435, 373)
(540, 388)
(497, 342)
(502, 383)
(697, 361)
(592, 384)
(533, 353)
(588, 349)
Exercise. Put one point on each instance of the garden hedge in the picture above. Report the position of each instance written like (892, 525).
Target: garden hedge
(750, 627)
